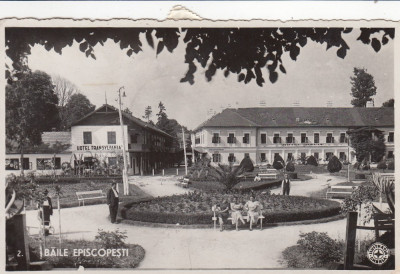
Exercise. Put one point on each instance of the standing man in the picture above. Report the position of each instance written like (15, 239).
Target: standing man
(112, 201)
(285, 185)
(45, 211)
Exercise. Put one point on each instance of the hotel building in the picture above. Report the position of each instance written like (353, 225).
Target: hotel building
(291, 132)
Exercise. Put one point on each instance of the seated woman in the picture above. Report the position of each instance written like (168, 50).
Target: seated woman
(222, 212)
(253, 208)
(236, 208)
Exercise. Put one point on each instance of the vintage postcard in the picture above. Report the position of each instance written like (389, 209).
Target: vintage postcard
(199, 145)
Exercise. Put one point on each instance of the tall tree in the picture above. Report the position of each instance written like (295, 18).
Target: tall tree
(362, 87)
(77, 107)
(31, 109)
(64, 90)
(224, 49)
(368, 145)
(389, 103)
(147, 113)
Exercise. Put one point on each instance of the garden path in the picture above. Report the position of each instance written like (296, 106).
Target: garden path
(158, 185)
(170, 248)
(304, 188)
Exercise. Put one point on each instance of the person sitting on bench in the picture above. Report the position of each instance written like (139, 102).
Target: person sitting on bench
(236, 208)
(222, 212)
(253, 208)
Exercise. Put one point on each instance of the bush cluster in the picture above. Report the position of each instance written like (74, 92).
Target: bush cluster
(195, 208)
(313, 250)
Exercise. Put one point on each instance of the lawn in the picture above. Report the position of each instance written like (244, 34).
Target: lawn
(68, 193)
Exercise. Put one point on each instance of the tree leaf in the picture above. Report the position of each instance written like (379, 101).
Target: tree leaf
(129, 52)
(376, 45)
(282, 68)
(226, 73)
(341, 52)
(83, 46)
(241, 77)
(294, 52)
(160, 47)
(385, 40)
(273, 76)
(149, 39)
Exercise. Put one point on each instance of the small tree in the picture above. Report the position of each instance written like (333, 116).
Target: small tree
(290, 167)
(278, 163)
(247, 164)
(228, 175)
(388, 104)
(334, 165)
(312, 161)
(362, 87)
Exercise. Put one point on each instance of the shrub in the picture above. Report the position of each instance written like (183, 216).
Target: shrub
(228, 175)
(359, 176)
(312, 161)
(313, 250)
(292, 175)
(382, 165)
(247, 165)
(357, 165)
(391, 165)
(197, 208)
(111, 239)
(278, 163)
(290, 167)
(334, 165)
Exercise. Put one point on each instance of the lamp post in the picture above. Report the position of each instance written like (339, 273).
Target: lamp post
(124, 171)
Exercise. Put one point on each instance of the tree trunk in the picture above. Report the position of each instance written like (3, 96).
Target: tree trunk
(22, 159)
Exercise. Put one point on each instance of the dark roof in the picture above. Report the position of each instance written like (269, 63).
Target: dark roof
(109, 115)
(302, 117)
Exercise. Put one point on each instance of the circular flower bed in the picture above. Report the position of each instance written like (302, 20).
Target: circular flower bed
(195, 208)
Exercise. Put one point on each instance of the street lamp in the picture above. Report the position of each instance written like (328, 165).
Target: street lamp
(124, 171)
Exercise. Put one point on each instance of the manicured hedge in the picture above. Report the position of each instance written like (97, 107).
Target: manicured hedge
(75, 180)
(359, 176)
(328, 208)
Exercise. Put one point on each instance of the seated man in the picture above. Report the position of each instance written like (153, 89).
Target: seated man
(253, 208)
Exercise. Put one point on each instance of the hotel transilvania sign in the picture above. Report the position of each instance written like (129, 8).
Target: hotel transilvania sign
(98, 147)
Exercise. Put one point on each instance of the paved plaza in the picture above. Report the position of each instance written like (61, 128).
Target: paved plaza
(177, 248)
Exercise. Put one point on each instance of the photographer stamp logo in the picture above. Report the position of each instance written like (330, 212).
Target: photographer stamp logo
(378, 253)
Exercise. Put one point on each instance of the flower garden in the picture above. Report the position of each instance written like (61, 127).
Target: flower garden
(195, 208)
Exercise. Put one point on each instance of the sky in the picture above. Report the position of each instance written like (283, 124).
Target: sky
(318, 76)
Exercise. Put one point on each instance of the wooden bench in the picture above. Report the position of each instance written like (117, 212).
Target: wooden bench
(183, 182)
(89, 195)
(383, 222)
(246, 217)
(268, 176)
(341, 190)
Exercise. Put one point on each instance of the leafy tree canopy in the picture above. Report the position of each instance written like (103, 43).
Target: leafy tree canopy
(77, 107)
(334, 165)
(389, 103)
(31, 108)
(362, 87)
(248, 53)
(278, 163)
(367, 145)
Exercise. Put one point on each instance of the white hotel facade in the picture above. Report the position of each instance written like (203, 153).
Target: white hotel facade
(293, 133)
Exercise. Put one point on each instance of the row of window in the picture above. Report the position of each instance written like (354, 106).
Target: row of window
(41, 163)
(290, 139)
(111, 138)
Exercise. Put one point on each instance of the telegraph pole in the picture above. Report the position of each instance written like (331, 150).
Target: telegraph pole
(124, 171)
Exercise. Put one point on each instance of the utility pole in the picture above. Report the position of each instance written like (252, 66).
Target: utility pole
(184, 150)
(124, 171)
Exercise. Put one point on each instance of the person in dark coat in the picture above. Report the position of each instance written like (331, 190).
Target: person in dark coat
(285, 185)
(113, 201)
(46, 210)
